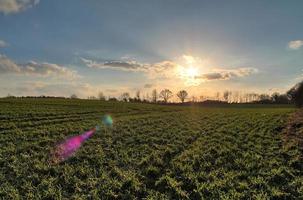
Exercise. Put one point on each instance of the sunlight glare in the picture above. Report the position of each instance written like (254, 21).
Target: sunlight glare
(192, 71)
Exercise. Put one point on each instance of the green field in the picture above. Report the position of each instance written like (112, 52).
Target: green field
(151, 152)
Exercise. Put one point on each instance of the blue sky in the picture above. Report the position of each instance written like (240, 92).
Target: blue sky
(54, 47)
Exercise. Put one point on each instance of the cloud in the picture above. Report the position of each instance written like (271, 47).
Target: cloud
(15, 6)
(3, 44)
(34, 68)
(127, 66)
(223, 74)
(148, 85)
(116, 65)
(37, 88)
(172, 70)
(295, 44)
(132, 66)
(111, 90)
(214, 76)
(64, 89)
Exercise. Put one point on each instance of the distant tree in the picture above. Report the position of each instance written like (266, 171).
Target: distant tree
(275, 96)
(242, 97)
(226, 95)
(282, 99)
(74, 96)
(101, 96)
(236, 96)
(252, 97)
(10, 96)
(112, 99)
(256, 97)
(137, 98)
(295, 94)
(264, 97)
(193, 98)
(245, 97)
(202, 98)
(92, 98)
(165, 94)
(154, 96)
(125, 96)
(182, 95)
(218, 96)
(146, 98)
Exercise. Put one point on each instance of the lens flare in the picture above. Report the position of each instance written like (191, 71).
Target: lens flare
(107, 120)
(68, 147)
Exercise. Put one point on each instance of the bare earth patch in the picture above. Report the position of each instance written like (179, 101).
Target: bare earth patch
(294, 131)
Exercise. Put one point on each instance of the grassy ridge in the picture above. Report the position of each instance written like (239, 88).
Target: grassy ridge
(152, 152)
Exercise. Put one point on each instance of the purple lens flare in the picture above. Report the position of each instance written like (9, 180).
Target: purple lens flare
(68, 147)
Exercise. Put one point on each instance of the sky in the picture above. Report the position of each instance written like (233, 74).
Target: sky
(83, 47)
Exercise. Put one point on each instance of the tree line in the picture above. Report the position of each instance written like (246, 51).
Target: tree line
(292, 96)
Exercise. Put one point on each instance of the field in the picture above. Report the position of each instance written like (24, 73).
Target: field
(151, 152)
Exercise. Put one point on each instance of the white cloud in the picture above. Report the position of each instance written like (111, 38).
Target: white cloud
(15, 6)
(3, 44)
(295, 44)
(34, 68)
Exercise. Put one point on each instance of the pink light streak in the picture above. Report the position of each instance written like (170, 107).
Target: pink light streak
(68, 148)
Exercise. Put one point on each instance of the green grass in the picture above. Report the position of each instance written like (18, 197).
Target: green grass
(152, 152)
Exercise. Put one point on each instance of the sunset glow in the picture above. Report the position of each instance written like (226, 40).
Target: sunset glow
(192, 72)
(116, 53)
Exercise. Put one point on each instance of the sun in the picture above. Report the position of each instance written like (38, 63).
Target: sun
(192, 71)
(189, 70)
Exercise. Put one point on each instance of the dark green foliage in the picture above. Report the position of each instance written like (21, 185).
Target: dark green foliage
(296, 94)
(151, 152)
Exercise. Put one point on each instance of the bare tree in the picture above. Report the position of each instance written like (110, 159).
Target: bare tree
(236, 96)
(193, 98)
(10, 96)
(146, 98)
(154, 96)
(165, 95)
(101, 96)
(112, 99)
(92, 98)
(73, 96)
(138, 95)
(182, 95)
(275, 96)
(218, 96)
(202, 98)
(226, 96)
(125, 96)
(264, 97)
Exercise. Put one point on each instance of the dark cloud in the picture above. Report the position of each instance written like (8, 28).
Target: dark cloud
(117, 65)
(227, 74)
(214, 76)
(121, 64)
(148, 85)
(131, 66)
